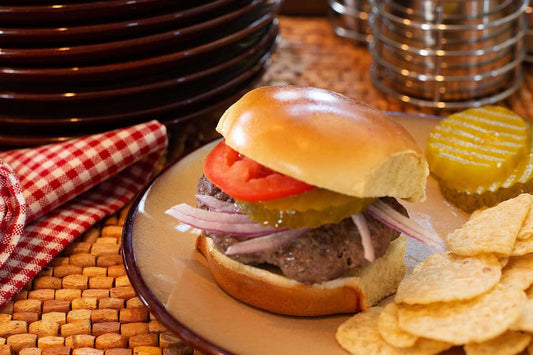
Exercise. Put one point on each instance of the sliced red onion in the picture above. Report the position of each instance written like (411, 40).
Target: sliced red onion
(216, 205)
(392, 218)
(368, 249)
(226, 218)
(207, 215)
(265, 243)
(219, 222)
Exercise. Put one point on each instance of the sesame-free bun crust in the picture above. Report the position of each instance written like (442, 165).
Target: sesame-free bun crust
(273, 292)
(327, 140)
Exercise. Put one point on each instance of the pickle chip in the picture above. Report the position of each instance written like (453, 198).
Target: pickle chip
(309, 209)
(518, 182)
(481, 156)
(477, 147)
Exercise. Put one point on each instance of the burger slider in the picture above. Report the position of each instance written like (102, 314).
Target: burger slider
(297, 205)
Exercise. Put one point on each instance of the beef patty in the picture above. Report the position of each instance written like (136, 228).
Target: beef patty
(322, 254)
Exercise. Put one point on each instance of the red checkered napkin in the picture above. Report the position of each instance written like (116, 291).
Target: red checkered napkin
(50, 195)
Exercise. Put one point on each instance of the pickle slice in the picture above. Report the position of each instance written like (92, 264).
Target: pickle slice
(309, 209)
(477, 147)
(519, 181)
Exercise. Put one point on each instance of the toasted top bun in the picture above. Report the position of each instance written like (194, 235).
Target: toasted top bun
(363, 288)
(327, 140)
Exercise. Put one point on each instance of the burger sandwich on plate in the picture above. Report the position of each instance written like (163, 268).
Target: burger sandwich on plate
(297, 209)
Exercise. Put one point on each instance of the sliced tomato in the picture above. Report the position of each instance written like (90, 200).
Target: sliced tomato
(244, 179)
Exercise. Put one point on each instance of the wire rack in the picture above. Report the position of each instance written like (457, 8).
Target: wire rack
(441, 53)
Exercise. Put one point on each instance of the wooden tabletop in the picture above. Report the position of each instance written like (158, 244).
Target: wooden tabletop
(83, 302)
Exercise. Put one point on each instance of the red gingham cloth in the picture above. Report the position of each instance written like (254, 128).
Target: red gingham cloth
(64, 189)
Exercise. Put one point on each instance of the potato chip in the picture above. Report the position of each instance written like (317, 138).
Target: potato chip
(522, 247)
(518, 272)
(360, 335)
(525, 321)
(478, 211)
(425, 347)
(460, 322)
(503, 262)
(506, 344)
(529, 292)
(483, 233)
(390, 331)
(526, 232)
(448, 277)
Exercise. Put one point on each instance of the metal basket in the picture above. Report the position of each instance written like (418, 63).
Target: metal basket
(349, 19)
(529, 35)
(448, 53)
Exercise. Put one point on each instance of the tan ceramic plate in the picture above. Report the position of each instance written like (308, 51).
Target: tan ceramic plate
(172, 279)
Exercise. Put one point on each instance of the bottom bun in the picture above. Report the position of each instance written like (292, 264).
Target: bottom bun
(361, 289)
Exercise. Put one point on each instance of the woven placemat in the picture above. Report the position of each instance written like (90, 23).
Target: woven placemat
(83, 302)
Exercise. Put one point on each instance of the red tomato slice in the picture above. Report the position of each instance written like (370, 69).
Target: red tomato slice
(244, 179)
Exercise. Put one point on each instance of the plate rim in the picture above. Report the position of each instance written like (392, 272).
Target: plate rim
(169, 82)
(154, 305)
(30, 75)
(150, 110)
(68, 55)
(61, 32)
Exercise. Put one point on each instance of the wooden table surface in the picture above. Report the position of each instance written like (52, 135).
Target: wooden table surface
(83, 303)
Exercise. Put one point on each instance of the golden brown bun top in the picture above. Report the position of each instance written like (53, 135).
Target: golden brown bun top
(327, 140)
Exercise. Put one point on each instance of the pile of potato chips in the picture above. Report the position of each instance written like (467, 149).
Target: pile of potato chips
(478, 296)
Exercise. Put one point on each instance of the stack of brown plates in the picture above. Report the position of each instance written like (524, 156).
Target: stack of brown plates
(76, 67)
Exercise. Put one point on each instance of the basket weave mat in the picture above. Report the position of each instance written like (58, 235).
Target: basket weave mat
(83, 303)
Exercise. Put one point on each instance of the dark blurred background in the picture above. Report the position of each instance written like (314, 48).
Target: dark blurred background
(305, 7)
